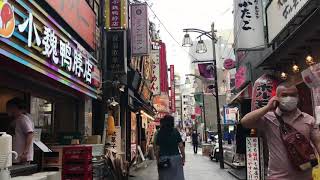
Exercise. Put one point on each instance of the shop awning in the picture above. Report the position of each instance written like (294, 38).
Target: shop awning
(245, 93)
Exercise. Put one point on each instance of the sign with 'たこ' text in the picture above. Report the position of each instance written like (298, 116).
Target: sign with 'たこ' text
(249, 29)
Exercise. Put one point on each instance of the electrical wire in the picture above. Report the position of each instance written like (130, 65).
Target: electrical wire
(167, 30)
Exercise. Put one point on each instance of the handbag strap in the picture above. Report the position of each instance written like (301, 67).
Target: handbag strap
(283, 126)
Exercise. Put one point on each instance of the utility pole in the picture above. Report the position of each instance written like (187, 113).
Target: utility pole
(215, 74)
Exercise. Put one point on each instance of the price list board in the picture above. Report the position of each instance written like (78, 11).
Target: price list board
(253, 158)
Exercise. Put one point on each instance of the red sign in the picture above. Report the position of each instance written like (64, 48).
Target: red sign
(229, 64)
(264, 89)
(115, 15)
(173, 90)
(163, 69)
(243, 76)
(79, 16)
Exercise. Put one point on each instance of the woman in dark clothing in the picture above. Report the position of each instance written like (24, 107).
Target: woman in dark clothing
(195, 141)
(169, 149)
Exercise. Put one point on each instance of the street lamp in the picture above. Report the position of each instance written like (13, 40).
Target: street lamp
(211, 35)
(187, 42)
(201, 47)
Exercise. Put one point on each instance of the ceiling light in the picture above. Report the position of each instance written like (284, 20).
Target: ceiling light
(295, 68)
(113, 102)
(310, 60)
(284, 75)
(122, 88)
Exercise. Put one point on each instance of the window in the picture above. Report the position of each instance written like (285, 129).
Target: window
(41, 112)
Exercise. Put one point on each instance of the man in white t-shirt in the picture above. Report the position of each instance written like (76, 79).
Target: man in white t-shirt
(23, 129)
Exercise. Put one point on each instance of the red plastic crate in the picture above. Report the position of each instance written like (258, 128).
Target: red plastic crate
(77, 168)
(77, 153)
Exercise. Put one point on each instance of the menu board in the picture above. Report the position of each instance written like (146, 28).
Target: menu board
(253, 159)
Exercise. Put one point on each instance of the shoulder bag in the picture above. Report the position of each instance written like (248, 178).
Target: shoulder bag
(299, 149)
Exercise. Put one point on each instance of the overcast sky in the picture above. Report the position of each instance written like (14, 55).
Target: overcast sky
(179, 14)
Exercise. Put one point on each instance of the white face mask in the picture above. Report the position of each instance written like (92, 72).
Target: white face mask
(288, 103)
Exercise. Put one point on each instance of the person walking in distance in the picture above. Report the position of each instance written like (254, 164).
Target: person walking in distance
(281, 112)
(195, 141)
(170, 152)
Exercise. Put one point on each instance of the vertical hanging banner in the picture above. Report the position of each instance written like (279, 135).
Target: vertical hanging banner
(116, 14)
(140, 38)
(173, 90)
(115, 52)
(206, 70)
(155, 84)
(248, 21)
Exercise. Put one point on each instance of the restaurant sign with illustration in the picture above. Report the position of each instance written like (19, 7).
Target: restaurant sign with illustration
(45, 42)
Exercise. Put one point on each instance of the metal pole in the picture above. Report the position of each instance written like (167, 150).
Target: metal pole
(204, 119)
(217, 97)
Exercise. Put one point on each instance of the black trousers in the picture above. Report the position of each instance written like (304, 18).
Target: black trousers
(195, 148)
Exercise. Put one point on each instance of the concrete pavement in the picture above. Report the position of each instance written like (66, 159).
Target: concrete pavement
(197, 167)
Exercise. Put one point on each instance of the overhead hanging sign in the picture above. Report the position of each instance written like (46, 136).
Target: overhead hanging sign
(280, 13)
(116, 62)
(155, 84)
(248, 21)
(79, 16)
(229, 64)
(116, 14)
(140, 38)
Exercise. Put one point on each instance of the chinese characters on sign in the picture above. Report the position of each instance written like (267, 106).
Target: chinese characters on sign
(155, 84)
(140, 39)
(115, 139)
(115, 13)
(60, 52)
(288, 6)
(280, 13)
(264, 89)
(253, 158)
(115, 52)
(173, 90)
(249, 29)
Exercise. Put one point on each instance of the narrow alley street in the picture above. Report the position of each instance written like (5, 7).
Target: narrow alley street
(197, 167)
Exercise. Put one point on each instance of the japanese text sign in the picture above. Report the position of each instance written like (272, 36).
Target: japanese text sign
(116, 14)
(140, 38)
(249, 28)
(264, 89)
(115, 52)
(155, 84)
(79, 15)
(280, 13)
(115, 139)
(173, 90)
(253, 158)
